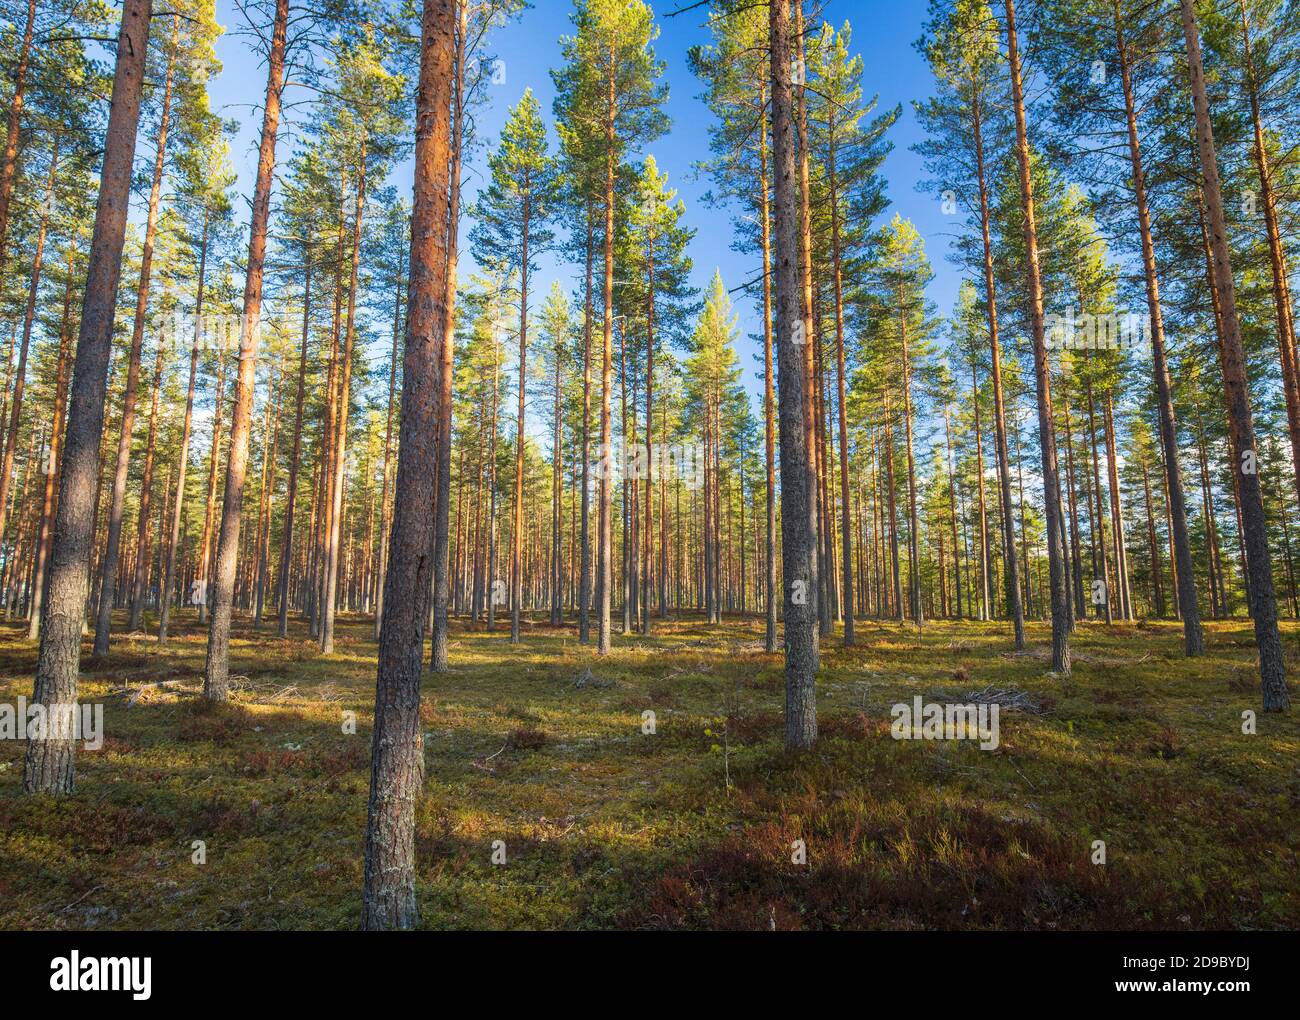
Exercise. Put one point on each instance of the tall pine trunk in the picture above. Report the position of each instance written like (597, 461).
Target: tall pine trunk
(178, 502)
(1098, 513)
(585, 578)
(333, 565)
(798, 552)
(809, 325)
(442, 505)
(913, 521)
(384, 503)
(1263, 602)
(517, 536)
(51, 463)
(647, 571)
(557, 490)
(49, 764)
(986, 583)
(769, 385)
(108, 564)
(1015, 609)
(397, 751)
(291, 495)
(216, 680)
(270, 453)
(605, 504)
(144, 524)
(846, 541)
(1057, 581)
(1193, 639)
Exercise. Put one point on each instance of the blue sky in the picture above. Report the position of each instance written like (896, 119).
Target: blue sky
(882, 34)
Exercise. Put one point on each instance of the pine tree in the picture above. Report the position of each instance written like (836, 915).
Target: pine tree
(216, 681)
(657, 296)
(609, 101)
(511, 230)
(1263, 601)
(851, 154)
(734, 68)
(798, 548)
(1058, 583)
(964, 118)
(397, 753)
(49, 763)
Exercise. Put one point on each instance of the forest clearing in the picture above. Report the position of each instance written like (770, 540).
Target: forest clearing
(593, 465)
(607, 826)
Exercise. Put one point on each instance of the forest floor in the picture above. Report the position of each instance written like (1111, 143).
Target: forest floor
(694, 825)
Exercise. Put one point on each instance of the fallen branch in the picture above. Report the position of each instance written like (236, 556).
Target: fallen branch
(133, 696)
